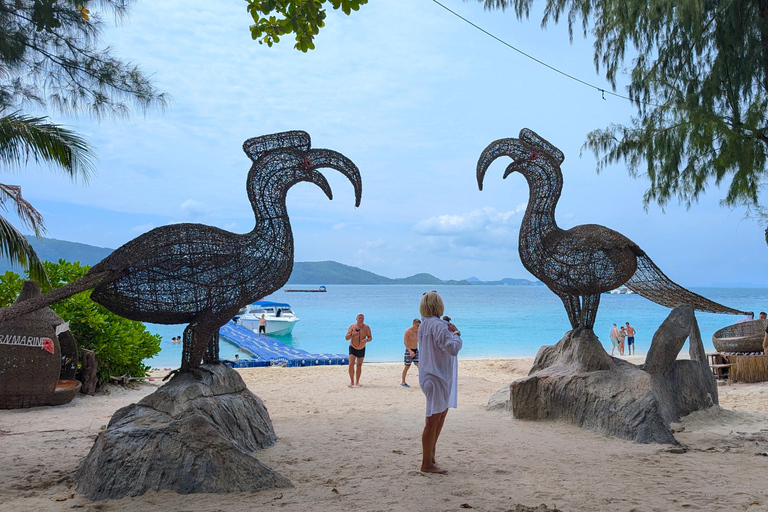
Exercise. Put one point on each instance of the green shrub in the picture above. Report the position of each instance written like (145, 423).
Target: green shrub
(121, 345)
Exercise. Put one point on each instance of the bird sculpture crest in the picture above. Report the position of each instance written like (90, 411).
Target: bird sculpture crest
(202, 275)
(580, 263)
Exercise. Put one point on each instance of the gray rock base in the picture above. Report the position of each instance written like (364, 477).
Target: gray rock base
(577, 381)
(189, 436)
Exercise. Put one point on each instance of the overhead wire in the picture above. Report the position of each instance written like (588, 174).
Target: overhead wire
(531, 57)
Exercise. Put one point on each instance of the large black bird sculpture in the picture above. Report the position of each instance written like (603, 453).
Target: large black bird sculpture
(580, 263)
(202, 275)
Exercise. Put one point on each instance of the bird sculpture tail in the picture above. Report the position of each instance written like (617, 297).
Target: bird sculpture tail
(21, 308)
(650, 282)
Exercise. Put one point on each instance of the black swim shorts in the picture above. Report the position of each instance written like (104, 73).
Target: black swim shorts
(355, 352)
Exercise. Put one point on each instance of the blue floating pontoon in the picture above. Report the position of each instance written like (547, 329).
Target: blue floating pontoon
(269, 352)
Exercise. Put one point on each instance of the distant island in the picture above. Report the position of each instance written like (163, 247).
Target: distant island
(304, 272)
(332, 272)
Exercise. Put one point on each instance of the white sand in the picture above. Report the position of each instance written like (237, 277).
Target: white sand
(359, 449)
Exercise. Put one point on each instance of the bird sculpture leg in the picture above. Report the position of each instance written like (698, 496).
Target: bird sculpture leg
(212, 350)
(189, 356)
(198, 336)
(572, 307)
(589, 304)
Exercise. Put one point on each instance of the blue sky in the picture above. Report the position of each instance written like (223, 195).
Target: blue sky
(412, 95)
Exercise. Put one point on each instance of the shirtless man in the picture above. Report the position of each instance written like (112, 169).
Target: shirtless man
(614, 335)
(630, 339)
(262, 326)
(411, 342)
(358, 335)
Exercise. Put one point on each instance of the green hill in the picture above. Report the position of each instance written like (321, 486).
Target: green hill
(331, 272)
(419, 279)
(306, 272)
(49, 249)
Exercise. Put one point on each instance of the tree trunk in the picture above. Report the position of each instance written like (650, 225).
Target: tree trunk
(90, 369)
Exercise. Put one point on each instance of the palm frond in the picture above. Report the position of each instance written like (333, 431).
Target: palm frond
(26, 213)
(24, 137)
(17, 249)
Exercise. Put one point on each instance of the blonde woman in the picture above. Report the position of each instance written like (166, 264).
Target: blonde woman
(439, 344)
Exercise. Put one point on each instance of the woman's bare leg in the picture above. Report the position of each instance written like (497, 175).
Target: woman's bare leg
(437, 433)
(432, 428)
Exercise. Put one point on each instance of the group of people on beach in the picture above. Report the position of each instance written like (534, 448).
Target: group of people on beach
(620, 336)
(434, 341)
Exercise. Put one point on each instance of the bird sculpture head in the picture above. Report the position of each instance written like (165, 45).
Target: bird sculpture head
(282, 160)
(530, 154)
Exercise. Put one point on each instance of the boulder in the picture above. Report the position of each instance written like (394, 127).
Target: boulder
(578, 382)
(191, 435)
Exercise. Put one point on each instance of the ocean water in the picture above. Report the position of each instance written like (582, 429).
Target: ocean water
(495, 321)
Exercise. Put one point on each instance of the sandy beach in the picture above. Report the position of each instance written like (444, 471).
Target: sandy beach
(359, 449)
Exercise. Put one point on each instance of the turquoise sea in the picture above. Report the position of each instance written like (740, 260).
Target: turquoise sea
(495, 321)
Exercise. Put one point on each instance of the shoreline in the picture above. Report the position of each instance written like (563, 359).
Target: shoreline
(360, 448)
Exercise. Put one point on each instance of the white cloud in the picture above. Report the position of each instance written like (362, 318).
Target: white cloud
(377, 92)
(143, 228)
(192, 209)
(486, 219)
(370, 253)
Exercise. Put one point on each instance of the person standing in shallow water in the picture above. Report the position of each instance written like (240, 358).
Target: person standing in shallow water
(358, 335)
(622, 337)
(614, 335)
(262, 326)
(630, 339)
(411, 342)
(439, 345)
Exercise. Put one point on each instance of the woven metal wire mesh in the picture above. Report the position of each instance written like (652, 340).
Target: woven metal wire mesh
(580, 263)
(30, 356)
(202, 275)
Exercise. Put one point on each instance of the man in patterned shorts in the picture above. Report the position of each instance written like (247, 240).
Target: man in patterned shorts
(411, 342)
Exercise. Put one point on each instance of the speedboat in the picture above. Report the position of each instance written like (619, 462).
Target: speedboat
(280, 317)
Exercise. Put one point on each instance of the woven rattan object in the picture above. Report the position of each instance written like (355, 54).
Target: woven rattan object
(741, 337)
(580, 263)
(202, 275)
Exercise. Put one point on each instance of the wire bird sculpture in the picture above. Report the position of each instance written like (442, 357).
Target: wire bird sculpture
(202, 275)
(580, 263)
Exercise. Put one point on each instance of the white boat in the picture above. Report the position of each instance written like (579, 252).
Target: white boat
(279, 316)
(622, 290)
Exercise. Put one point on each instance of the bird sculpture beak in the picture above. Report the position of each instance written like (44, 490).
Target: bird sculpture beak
(321, 158)
(512, 148)
(318, 179)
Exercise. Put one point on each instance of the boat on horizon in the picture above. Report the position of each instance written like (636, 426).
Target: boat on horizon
(318, 289)
(279, 316)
